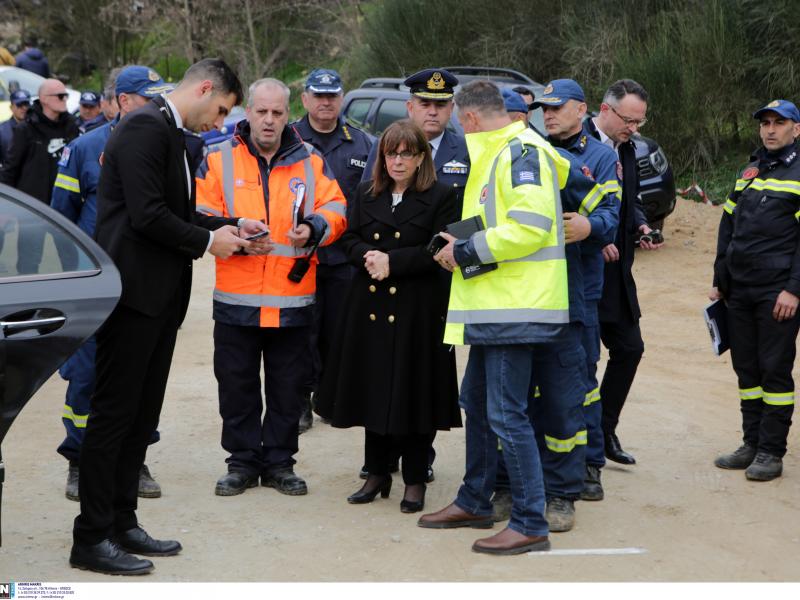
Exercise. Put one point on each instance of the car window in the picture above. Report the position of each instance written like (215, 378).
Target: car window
(32, 245)
(388, 112)
(27, 81)
(358, 110)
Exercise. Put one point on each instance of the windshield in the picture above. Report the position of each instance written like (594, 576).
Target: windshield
(26, 80)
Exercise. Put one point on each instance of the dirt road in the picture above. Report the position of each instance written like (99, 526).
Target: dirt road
(694, 521)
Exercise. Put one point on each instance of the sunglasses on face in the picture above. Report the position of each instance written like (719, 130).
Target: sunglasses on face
(62, 96)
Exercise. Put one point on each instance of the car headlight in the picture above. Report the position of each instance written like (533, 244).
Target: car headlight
(659, 161)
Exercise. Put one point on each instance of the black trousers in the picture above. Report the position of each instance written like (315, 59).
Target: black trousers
(623, 338)
(333, 282)
(763, 352)
(134, 353)
(260, 446)
(380, 450)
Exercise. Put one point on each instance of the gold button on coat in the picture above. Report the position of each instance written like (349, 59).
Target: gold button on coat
(397, 235)
(372, 288)
(372, 317)
(391, 318)
(392, 290)
(376, 236)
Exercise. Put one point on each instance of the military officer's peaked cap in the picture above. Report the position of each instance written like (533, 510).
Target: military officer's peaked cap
(432, 84)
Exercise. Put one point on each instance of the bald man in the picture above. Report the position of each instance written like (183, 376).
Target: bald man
(32, 162)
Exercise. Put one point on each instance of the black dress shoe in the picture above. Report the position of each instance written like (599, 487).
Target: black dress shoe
(235, 483)
(286, 482)
(615, 452)
(137, 540)
(107, 557)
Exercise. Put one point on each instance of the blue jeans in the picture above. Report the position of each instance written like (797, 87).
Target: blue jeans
(494, 396)
(556, 415)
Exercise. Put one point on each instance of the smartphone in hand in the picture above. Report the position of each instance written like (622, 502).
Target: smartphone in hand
(257, 236)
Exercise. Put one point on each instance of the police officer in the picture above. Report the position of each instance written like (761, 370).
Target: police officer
(90, 115)
(622, 112)
(75, 196)
(757, 272)
(345, 149)
(20, 103)
(430, 107)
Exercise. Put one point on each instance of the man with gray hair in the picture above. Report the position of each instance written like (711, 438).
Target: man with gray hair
(509, 301)
(264, 300)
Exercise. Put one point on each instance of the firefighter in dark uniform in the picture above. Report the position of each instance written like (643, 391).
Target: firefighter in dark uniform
(430, 107)
(345, 149)
(757, 272)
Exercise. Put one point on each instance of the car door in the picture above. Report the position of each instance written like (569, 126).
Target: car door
(46, 314)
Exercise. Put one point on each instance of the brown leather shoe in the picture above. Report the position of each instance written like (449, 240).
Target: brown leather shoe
(451, 516)
(509, 541)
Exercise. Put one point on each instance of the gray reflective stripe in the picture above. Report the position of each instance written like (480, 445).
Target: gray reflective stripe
(557, 196)
(207, 209)
(531, 218)
(310, 181)
(482, 248)
(261, 300)
(286, 250)
(507, 315)
(337, 208)
(226, 153)
(548, 253)
(490, 206)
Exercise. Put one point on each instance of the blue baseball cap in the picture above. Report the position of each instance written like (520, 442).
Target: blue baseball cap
(558, 92)
(144, 81)
(324, 81)
(513, 101)
(784, 108)
(20, 97)
(90, 98)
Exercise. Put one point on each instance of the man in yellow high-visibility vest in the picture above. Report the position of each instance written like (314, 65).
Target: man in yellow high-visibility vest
(509, 301)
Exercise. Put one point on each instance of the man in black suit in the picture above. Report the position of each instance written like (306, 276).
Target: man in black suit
(148, 225)
(622, 112)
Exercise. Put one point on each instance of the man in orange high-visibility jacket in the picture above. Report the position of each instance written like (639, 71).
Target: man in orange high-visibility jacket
(263, 302)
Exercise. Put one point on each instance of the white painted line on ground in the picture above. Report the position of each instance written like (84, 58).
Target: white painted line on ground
(590, 552)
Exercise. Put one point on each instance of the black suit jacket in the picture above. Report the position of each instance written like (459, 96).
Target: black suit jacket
(619, 288)
(146, 217)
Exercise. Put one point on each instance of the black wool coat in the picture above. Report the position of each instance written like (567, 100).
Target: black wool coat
(392, 374)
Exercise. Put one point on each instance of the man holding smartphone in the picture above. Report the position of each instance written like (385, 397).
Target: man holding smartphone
(264, 301)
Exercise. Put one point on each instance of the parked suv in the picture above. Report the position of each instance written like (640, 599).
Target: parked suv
(381, 101)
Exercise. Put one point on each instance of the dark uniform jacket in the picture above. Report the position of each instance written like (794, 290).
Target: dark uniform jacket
(6, 136)
(32, 163)
(347, 157)
(758, 232)
(619, 288)
(145, 214)
(451, 163)
(391, 372)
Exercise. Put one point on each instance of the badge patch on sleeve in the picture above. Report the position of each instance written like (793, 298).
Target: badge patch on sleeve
(64, 161)
(525, 167)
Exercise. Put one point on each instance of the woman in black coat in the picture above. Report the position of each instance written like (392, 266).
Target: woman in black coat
(392, 374)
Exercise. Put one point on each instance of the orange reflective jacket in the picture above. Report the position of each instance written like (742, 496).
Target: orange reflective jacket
(255, 290)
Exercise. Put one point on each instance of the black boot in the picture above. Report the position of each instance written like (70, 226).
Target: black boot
(307, 417)
(615, 452)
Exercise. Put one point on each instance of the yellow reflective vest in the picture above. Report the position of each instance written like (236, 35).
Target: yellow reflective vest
(514, 182)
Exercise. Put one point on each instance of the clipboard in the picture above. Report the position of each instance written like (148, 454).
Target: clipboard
(463, 230)
(716, 317)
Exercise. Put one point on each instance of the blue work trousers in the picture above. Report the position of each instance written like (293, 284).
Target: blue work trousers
(494, 396)
(592, 407)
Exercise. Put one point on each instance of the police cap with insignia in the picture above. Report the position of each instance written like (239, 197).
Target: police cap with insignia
(20, 97)
(784, 108)
(90, 98)
(141, 80)
(513, 101)
(559, 92)
(432, 84)
(324, 81)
